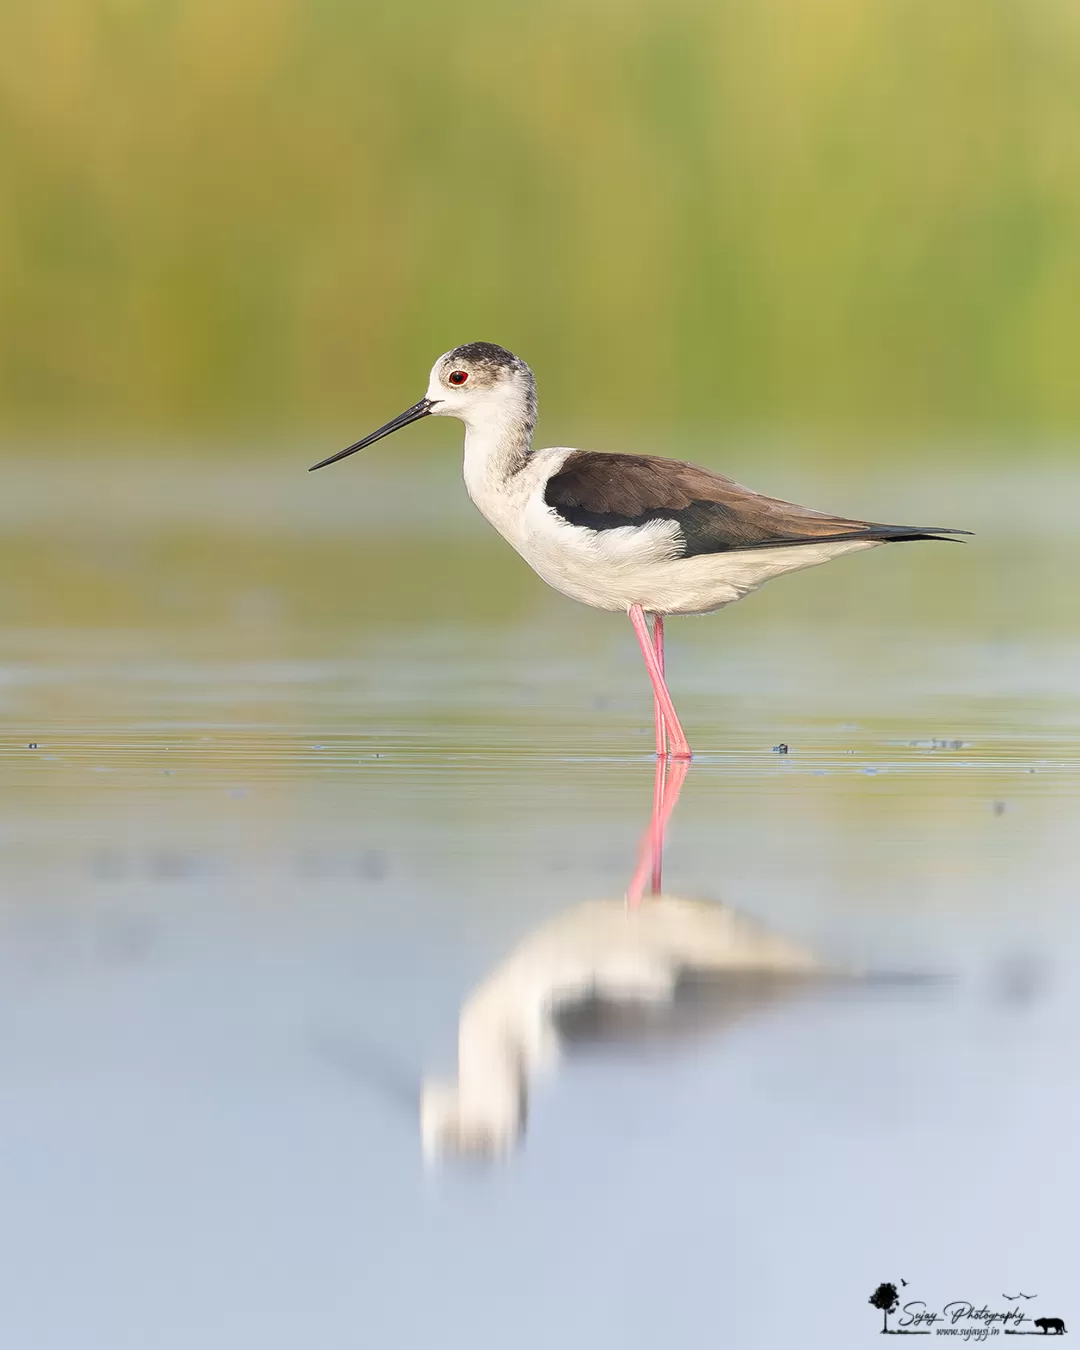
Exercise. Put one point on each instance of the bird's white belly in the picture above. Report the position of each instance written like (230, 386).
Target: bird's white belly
(614, 569)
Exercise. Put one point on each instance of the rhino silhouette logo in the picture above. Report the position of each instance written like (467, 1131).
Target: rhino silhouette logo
(1054, 1324)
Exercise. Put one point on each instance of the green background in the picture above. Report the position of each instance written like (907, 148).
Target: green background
(851, 223)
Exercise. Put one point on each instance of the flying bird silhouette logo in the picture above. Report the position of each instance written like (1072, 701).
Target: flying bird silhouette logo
(1013, 1297)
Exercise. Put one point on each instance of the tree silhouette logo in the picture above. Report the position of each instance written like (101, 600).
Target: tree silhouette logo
(887, 1299)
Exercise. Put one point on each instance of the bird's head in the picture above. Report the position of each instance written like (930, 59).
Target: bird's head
(478, 1120)
(479, 383)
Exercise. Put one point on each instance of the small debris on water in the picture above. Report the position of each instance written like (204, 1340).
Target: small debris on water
(371, 865)
(781, 749)
(32, 746)
(318, 747)
(1018, 980)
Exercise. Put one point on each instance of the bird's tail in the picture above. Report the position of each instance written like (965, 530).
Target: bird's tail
(884, 534)
(902, 534)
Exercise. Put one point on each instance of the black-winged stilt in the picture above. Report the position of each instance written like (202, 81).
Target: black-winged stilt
(636, 533)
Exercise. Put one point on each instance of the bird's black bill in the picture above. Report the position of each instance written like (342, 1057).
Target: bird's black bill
(413, 414)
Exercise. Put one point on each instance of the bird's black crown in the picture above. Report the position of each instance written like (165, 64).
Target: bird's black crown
(487, 354)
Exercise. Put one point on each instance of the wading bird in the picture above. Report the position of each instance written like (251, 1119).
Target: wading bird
(631, 533)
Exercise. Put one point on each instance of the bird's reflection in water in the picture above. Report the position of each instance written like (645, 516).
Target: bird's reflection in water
(626, 967)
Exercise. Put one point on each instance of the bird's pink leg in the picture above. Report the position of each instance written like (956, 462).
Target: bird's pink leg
(651, 840)
(656, 845)
(680, 748)
(660, 785)
(667, 786)
(673, 786)
(658, 712)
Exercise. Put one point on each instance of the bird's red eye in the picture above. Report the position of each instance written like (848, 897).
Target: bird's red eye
(458, 376)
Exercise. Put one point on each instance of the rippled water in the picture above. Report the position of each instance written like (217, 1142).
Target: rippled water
(287, 772)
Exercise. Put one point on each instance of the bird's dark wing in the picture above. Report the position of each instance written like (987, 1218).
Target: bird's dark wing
(714, 514)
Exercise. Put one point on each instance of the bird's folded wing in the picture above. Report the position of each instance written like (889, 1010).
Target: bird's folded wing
(714, 514)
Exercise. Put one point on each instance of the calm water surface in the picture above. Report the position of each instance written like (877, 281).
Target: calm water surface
(286, 772)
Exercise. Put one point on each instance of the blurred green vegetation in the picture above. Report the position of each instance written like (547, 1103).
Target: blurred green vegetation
(230, 216)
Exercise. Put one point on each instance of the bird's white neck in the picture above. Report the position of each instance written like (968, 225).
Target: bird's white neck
(494, 454)
(497, 443)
